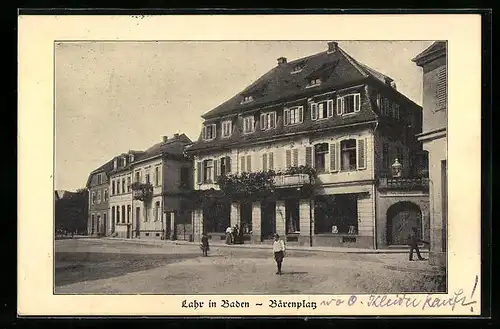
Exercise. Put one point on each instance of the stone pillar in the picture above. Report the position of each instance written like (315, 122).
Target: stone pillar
(197, 218)
(280, 218)
(256, 223)
(235, 214)
(306, 216)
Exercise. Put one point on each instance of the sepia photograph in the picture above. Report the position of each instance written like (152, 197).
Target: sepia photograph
(250, 167)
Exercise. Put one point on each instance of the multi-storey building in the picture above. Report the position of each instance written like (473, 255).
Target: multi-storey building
(146, 190)
(327, 112)
(161, 177)
(98, 192)
(434, 65)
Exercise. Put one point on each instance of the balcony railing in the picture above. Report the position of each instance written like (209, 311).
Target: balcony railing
(404, 183)
(291, 180)
(142, 191)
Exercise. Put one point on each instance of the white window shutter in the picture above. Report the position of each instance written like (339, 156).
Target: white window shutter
(357, 104)
(361, 153)
(263, 121)
(333, 157)
(295, 157)
(309, 159)
(314, 111)
(288, 158)
(330, 108)
(271, 161)
(242, 163)
(264, 162)
(339, 105)
(216, 169)
(249, 163)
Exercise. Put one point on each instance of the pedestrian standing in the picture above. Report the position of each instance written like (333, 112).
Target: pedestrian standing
(235, 234)
(413, 243)
(229, 235)
(204, 245)
(279, 252)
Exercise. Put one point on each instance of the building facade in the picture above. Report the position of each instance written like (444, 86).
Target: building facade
(315, 137)
(98, 200)
(433, 61)
(147, 188)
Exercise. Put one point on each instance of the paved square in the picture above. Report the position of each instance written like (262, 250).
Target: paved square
(105, 266)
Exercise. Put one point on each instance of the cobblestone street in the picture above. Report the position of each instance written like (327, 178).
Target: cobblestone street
(104, 266)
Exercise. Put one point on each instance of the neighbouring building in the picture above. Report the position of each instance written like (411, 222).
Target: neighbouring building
(321, 150)
(433, 61)
(98, 201)
(70, 211)
(147, 190)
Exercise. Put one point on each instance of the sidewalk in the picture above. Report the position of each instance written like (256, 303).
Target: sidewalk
(266, 246)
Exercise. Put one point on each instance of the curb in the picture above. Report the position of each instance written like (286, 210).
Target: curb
(266, 246)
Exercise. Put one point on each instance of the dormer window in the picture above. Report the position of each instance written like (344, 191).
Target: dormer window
(248, 124)
(297, 68)
(247, 99)
(322, 110)
(314, 82)
(226, 128)
(268, 120)
(348, 104)
(131, 158)
(209, 132)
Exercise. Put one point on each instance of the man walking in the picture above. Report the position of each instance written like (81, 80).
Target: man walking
(279, 252)
(413, 243)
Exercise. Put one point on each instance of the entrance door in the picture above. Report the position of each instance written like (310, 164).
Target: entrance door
(268, 220)
(105, 222)
(401, 218)
(137, 221)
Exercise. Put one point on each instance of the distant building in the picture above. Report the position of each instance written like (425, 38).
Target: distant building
(433, 61)
(98, 203)
(147, 189)
(70, 211)
(327, 129)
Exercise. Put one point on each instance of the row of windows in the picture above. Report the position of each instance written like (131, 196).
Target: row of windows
(122, 214)
(319, 110)
(97, 197)
(120, 186)
(388, 107)
(346, 155)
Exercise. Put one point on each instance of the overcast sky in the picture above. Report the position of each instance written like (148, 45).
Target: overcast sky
(115, 97)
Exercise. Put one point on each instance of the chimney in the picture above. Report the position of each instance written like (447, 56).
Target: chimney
(165, 139)
(176, 135)
(332, 46)
(281, 61)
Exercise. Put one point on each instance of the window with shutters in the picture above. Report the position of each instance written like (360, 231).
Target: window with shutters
(322, 110)
(242, 163)
(361, 154)
(157, 176)
(249, 163)
(209, 132)
(208, 171)
(270, 159)
(333, 157)
(349, 104)
(320, 156)
(295, 157)
(293, 115)
(226, 128)
(264, 162)
(248, 124)
(288, 158)
(348, 155)
(268, 120)
(441, 92)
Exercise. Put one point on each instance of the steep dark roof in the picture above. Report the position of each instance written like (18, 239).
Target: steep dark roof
(106, 168)
(336, 69)
(172, 146)
(434, 49)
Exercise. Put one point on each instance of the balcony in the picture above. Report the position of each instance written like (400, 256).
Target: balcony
(421, 184)
(142, 192)
(295, 180)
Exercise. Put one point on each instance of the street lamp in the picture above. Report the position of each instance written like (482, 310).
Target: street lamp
(396, 168)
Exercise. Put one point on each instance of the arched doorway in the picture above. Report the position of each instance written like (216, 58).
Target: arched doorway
(401, 217)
